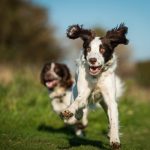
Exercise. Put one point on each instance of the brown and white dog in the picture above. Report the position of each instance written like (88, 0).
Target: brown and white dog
(96, 74)
(58, 80)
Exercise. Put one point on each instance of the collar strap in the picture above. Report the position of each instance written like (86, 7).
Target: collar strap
(107, 65)
(60, 96)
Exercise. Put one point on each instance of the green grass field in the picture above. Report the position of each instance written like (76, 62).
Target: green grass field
(28, 122)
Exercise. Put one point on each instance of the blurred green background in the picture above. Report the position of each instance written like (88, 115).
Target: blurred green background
(28, 39)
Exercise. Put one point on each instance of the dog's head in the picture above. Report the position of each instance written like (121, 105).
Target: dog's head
(98, 50)
(55, 74)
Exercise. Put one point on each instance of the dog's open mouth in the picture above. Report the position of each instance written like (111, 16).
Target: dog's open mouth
(50, 84)
(95, 70)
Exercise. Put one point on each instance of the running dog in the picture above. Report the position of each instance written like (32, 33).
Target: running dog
(57, 79)
(96, 74)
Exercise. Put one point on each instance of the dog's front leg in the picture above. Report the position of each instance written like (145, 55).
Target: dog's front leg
(108, 89)
(81, 98)
(77, 106)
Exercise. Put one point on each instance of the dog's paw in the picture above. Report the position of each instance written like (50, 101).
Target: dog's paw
(115, 146)
(66, 114)
(80, 133)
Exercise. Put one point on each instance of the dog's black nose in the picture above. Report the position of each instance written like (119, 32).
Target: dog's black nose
(92, 60)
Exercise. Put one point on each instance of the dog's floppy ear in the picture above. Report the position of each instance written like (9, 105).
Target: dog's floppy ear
(77, 31)
(66, 75)
(67, 79)
(117, 35)
(45, 67)
(42, 77)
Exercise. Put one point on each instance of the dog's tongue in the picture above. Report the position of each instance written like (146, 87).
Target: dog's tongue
(51, 84)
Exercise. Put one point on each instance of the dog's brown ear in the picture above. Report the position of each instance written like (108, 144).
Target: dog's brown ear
(65, 75)
(67, 78)
(42, 75)
(77, 31)
(45, 68)
(117, 35)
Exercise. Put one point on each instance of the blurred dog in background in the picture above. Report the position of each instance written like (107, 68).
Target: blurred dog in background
(57, 79)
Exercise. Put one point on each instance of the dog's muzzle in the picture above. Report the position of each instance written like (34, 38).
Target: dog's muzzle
(50, 84)
(95, 70)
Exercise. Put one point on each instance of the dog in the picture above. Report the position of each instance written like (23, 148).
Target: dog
(96, 74)
(58, 80)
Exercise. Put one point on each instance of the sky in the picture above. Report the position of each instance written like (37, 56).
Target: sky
(106, 14)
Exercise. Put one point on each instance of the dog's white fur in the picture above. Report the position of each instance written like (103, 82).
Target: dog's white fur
(106, 83)
(94, 53)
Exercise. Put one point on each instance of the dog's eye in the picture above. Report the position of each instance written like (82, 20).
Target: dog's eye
(102, 49)
(88, 49)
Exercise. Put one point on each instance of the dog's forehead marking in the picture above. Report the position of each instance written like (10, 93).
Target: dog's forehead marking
(95, 43)
(95, 52)
(52, 66)
(52, 70)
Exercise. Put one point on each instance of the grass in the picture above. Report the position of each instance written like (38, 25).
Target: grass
(27, 121)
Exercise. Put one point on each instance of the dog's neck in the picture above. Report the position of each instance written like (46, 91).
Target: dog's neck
(110, 65)
(57, 92)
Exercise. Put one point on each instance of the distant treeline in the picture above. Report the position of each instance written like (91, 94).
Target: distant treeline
(143, 73)
(26, 35)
